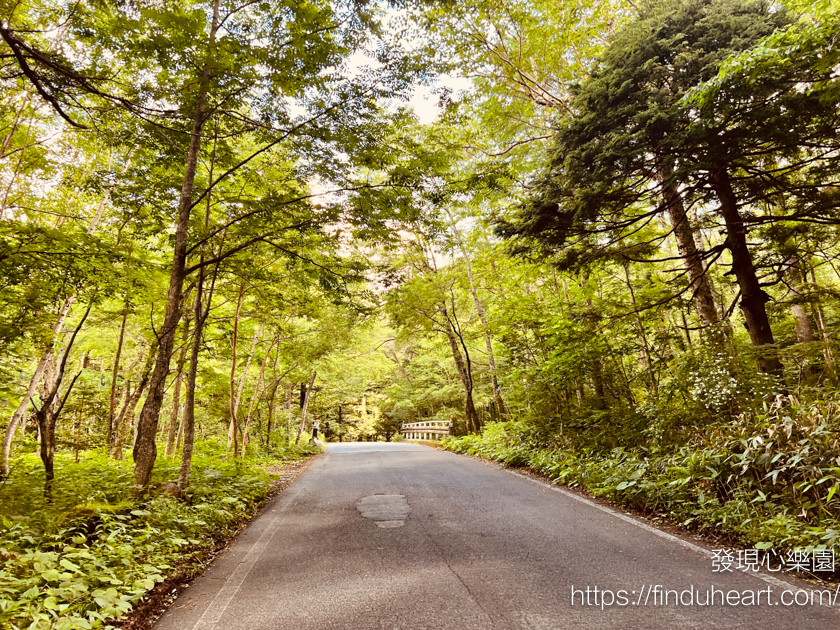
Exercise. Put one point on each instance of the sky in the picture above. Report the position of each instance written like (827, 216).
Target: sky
(425, 102)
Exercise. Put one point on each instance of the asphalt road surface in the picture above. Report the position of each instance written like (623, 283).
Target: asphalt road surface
(401, 536)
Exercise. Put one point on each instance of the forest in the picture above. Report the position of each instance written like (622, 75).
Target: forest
(601, 237)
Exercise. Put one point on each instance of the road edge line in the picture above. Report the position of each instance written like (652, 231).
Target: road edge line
(218, 605)
(769, 579)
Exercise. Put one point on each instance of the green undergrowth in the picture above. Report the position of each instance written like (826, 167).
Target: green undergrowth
(769, 481)
(92, 552)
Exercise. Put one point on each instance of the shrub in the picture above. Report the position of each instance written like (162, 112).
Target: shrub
(95, 550)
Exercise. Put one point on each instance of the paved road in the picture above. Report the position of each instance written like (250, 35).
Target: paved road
(399, 536)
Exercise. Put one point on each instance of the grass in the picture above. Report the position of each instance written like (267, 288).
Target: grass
(89, 555)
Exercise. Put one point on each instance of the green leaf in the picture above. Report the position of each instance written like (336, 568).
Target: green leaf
(69, 565)
(31, 593)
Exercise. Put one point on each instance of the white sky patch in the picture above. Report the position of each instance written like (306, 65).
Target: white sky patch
(362, 59)
(425, 102)
(325, 191)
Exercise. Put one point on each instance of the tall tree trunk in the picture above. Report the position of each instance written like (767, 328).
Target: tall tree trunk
(597, 374)
(464, 372)
(822, 326)
(753, 297)
(112, 407)
(234, 419)
(654, 384)
(201, 313)
(126, 417)
(271, 423)
(802, 322)
(189, 404)
(683, 231)
(113, 447)
(233, 403)
(482, 315)
(303, 409)
(176, 393)
(145, 449)
(257, 394)
(290, 416)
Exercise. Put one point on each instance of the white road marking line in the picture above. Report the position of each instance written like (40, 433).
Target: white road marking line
(222, 600)
(769, 579)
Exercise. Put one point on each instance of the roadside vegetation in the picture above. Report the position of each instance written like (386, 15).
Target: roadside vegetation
(91, 553)
(598, 236)
(766, 481)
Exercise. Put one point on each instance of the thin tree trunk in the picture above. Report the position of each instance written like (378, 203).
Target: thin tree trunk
(305, 406)
(100, 210)
(654, 385)
(482, 315)
(145, 449)
(126, 417)
(400, 367)
(235, 427)
(822, 325)
(290, 416)
(118, 419)
(753, 297)
(470, 413)
(47, 415)
(232, 380)
(271, 410)
(271, 422)
(187, 428)
(118, 438)
(683, 231)
(256, 395)
(189, 404)
(112, 407)
(47, 418)
(30, 390)
(176, 393)
(802, 323)
(597, 374)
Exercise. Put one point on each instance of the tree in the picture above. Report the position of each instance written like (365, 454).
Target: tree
(602, 178)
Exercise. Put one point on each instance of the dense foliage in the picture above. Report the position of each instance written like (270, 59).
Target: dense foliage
(94, 552)
(662, 314)
(607, 249)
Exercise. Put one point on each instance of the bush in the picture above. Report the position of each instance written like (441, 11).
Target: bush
(95, 550)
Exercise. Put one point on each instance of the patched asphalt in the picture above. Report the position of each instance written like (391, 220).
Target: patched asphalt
(400, 536)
